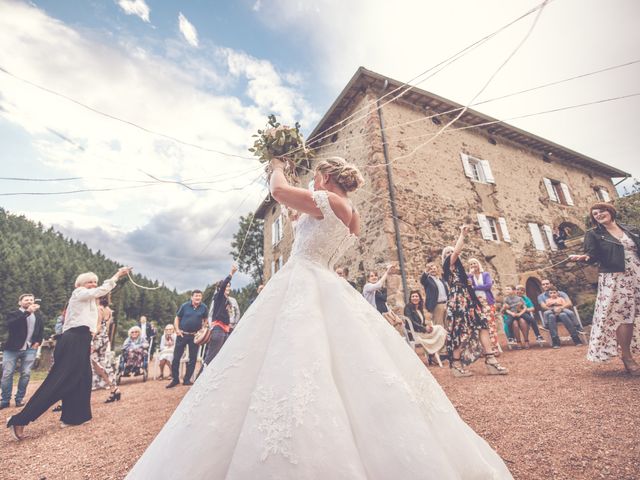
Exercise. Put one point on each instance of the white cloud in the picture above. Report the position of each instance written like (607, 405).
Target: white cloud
(188, 30)
(411, 37)
(271, 91)
(135, 7)
(160, 93)
(257, 6)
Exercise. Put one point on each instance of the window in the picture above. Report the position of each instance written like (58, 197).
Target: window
(476, 169)
(494, 229)
(277, 230)
(538, 240)
(558, 191)
(602, 194)
(276, 265)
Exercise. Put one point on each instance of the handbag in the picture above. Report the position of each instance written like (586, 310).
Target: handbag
(202, 336)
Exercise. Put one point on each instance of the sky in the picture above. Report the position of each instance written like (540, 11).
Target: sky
(176, 89)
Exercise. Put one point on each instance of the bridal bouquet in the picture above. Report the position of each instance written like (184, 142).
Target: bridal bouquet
(283, 142)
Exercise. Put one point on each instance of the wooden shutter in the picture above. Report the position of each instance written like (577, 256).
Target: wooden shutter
(549, 233)
(550, 191)
(503, 228)
(538, 242)
(488, 174)
(485, 228)
(566, 193)
(466, 165)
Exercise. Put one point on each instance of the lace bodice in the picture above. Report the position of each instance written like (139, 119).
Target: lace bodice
(322, 241)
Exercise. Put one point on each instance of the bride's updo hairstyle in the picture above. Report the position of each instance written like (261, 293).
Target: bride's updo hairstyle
(344, 174)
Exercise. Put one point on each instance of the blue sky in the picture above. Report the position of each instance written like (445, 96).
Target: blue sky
(209, 72)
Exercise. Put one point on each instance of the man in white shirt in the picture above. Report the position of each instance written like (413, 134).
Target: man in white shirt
(436, 295)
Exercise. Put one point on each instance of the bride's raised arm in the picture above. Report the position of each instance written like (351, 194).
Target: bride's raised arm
(299, 199)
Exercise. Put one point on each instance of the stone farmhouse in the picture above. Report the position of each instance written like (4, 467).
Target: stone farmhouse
(515, 187)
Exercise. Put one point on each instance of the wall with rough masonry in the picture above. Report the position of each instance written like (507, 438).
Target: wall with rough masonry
(434, 197)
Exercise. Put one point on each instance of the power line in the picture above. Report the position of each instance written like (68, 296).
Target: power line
(113, 117)
(443, 64)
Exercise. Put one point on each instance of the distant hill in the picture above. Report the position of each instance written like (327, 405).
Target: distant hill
(43, 262)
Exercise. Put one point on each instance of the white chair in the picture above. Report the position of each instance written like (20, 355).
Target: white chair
(416, 338)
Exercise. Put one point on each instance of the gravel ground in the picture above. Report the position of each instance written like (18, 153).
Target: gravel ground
(555, 416)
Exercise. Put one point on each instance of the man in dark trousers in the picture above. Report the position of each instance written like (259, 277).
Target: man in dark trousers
(220, 318)
(436, 294)
(190, 317)
(25, 335)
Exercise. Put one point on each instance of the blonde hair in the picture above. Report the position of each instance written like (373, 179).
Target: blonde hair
(84, 278)
(446, 251)
(345, 175)
(479, 264)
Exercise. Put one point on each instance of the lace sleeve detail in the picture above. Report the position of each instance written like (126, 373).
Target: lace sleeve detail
(322, 201)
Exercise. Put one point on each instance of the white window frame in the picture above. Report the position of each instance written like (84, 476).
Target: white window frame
(549, 234)
(493, 229)
(277, 230)
(602, 194)
(558, 191)
(536, 235)
(476, 169)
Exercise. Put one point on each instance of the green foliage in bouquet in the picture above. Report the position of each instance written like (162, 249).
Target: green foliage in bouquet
(281, 141)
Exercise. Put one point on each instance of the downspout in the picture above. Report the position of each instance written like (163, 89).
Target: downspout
(392, 201)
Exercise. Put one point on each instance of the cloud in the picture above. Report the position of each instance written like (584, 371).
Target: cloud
(166, 91)
(257, 6)
(410, 38)
(270, 91)
(188, 30)
(135, 7)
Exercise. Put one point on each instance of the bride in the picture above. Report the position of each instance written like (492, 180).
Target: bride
(314, 383)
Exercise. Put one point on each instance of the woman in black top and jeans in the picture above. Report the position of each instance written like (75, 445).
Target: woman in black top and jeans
(616, 318)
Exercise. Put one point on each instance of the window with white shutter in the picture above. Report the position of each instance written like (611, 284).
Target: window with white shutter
(280, 263)
(477, 169)
(493, 229)
(466, 166)
(567, 195)
(550, 190)
(273, 268)
(277, 230)
(558, 191)
(503, 228)
(549, 234)
(602, 194)
(538, 242)
(485, 227)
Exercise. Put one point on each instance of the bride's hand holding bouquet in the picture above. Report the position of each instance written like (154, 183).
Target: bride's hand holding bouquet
(282, 147)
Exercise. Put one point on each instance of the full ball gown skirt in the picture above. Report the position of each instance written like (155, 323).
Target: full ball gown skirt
(315, 384)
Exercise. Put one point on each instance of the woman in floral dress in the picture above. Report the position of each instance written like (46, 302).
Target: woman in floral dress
(468, 333)
(103, 374)
(616, 319)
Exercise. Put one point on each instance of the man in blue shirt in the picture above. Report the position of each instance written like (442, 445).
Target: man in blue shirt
(190, 317)
(566, 316)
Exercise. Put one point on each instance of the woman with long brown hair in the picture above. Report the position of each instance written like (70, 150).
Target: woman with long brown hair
(615, 248)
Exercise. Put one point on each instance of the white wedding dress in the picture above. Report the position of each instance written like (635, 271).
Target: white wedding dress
(315, 384)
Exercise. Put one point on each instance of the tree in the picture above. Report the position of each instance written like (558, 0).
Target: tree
(248, 247)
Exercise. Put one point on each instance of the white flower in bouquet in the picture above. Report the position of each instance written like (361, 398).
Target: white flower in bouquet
(283, 142)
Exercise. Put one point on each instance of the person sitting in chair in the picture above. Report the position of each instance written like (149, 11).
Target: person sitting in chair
(432, 337)
(134, 351)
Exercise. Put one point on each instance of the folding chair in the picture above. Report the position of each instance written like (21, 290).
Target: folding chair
(416, 339)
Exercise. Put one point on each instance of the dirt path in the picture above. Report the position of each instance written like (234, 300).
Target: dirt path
(554, 417)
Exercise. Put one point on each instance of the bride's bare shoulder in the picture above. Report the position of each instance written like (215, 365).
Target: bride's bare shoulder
(345, 212)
